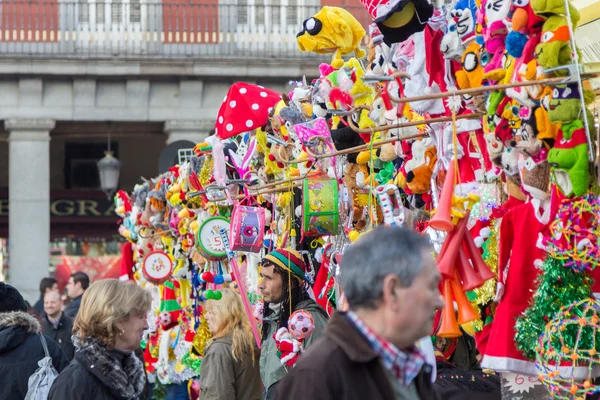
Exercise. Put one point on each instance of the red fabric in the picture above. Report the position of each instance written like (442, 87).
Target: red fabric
(246, 107)
(520, 229)
(126, 262)
(323, 285)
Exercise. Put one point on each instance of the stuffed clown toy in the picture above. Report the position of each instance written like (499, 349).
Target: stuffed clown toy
(170, 309)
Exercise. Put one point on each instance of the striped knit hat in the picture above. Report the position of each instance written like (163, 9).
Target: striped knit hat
(289, 260)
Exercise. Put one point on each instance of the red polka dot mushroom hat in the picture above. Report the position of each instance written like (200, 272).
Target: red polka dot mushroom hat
(246, 107)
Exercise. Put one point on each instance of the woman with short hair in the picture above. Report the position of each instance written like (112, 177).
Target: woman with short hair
(230, 369)
(107, 329)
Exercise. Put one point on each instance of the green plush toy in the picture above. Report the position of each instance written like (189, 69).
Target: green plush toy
(565, 105)
(548, 8)
(554, 49)
(569, 160)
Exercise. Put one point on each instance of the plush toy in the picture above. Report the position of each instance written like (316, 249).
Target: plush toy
(554, 49)
(451, 46)
(170, 309)
(471, 74)
(397, 20)
(547, 131)
(535, 175)
(332, 30)
(465, 17)
(420, 81)
(288, 347)
(565, 105)
(419, 179)
(549, 8)
(569, 160)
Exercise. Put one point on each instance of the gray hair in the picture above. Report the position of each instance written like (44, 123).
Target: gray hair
(383, 251)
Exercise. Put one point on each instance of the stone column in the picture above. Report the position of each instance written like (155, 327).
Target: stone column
(193, 130)
(29, 203)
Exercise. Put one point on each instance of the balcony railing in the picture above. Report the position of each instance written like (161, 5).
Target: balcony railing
(151, 29)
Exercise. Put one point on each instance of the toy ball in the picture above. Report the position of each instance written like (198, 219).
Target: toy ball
(207, 277)
(301, 324)
(219, 280)
(217, 295)
(164, 318)
(209, 295)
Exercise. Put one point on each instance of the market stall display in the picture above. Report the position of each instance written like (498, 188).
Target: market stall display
(467, 123)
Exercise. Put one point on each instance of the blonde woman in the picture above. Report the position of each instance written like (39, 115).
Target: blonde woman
(108, 328)
(230, 368)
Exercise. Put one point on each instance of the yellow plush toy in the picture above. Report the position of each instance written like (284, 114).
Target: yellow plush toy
(332, 30)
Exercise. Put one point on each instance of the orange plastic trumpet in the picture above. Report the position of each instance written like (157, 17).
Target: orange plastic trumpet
(466, 313)
(442, 220)
(448, 326)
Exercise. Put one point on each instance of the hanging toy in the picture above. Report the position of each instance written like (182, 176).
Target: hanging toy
(247, 228)
(391, 205)
(301, 324)
(209, 242)
(332, 30)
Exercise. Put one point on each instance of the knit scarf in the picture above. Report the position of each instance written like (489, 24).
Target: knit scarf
(124, 379)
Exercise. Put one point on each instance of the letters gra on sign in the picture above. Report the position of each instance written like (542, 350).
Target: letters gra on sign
(90, 208)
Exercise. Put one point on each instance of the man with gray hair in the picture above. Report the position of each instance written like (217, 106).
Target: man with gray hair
(390, 281)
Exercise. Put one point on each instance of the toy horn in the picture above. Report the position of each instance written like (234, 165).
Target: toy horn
(447, 258)
(479, 265)
(442, 220)
(449, 326)
(466, 313)
(469, 278)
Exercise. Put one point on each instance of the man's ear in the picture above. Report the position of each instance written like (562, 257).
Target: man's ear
(391, 289)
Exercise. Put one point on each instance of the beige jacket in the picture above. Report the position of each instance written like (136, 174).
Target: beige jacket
(223, 378)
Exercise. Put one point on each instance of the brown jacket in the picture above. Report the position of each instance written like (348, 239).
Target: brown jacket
(343, 366)
(223, 378)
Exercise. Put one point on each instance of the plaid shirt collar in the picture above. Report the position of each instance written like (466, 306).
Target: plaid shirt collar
(404, 365)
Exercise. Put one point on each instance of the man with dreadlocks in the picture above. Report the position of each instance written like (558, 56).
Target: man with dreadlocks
(285, 289)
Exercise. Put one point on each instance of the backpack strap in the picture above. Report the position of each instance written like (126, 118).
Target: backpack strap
(44, 345)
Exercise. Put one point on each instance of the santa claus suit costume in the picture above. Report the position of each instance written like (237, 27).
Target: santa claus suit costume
(521, 230)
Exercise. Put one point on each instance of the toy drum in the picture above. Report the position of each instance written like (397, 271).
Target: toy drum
(208, 239)
(157, 267)
(320, 206)
(247, 228)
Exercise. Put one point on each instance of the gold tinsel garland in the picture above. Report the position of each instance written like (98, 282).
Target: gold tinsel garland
(485, 294)
(201, 337)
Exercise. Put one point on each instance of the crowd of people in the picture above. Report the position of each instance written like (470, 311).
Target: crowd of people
(369, 350)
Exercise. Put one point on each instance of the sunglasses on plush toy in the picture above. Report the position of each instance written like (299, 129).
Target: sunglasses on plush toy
(566, 92)
(561, 34)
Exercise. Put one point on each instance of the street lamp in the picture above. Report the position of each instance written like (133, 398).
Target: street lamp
(109, 169)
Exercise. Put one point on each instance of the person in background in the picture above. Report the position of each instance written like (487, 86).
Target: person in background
(78, 284)
(57, 325)
(46, 285)
(390, 280)
(285, 289)
(20, 345)
(230, 368)
(107, 330)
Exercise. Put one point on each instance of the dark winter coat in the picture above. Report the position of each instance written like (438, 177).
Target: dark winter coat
(344, 366)
(61, 334)
(223, 378)
(98, 373)
(73, 307)
(20, 351)
(38, 307)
